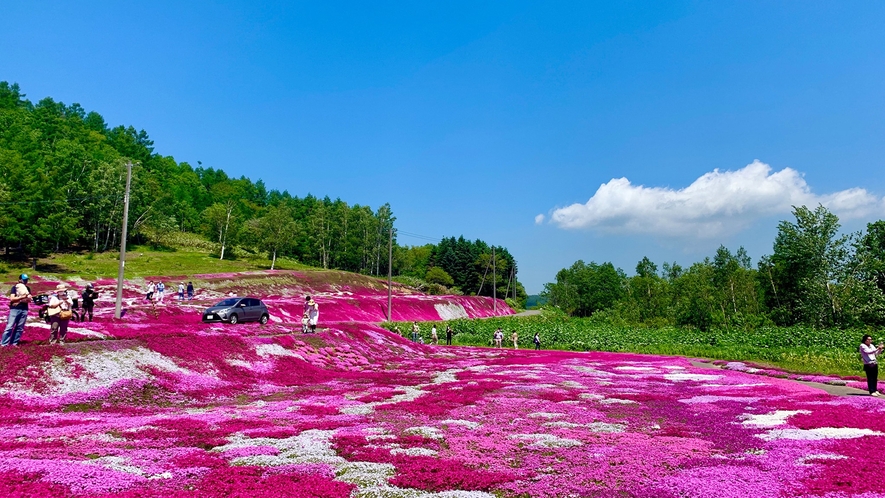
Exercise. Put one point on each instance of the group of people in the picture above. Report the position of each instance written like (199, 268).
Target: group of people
(434, 336)
(156, 291)
(58, 309)
(498, 339)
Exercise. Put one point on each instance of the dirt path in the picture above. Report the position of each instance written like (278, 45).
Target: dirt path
(834, 390)
(528, 313)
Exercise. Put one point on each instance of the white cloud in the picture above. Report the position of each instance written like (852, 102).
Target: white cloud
(717, 203)
(539, 219)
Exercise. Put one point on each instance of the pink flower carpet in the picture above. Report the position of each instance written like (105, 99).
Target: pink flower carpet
(166, 406)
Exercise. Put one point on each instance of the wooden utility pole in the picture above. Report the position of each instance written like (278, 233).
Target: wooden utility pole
(389, 271)
(118, 310)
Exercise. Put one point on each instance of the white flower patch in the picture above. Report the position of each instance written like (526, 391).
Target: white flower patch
(87, 332)
(572, 384)
(682, 377)
(411, 393)
(365, 474)
(413, 451)
(445, 377)
(822, 456)
(238, 363)
(606, 427)
(772, 419)
(121, 464)
(265, 350)
(547, 440)
(450, 311)
(818, 434)
(101, 369)
(478, 368)
(617, 401)
(423, 430)
(591, 396)
(636, 368)
(311, 446)
(547, 415)
(563, 424)
(466, 423)
(592, 427)
(395, 492)
(714, 399)
(591, 371)
(673, 367)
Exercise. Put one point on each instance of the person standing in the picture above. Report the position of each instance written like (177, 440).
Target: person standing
(868, 354)
(515, 338)
(180, 291)
(19, 296)
(59, 312)
(449, 334)
(74, 298)
(499, 337)
(537, 341)
(434, 339)
(312, 309)
(415, 331)
(190, 291)
(161, 291)
(89, 295)
(149, 295)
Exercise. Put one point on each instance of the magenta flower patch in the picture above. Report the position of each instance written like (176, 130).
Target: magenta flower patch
(168, 406)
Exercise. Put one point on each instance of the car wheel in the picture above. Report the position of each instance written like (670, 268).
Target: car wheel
(234, 318)
(263, 319)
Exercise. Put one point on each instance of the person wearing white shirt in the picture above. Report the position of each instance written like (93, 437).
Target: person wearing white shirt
(868, 354)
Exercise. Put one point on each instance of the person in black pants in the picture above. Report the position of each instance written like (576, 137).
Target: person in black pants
(868, 354)
(449, 333)
(537, 341)
(89, 295)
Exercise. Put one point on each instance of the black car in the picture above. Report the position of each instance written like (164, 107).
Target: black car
(237, 309)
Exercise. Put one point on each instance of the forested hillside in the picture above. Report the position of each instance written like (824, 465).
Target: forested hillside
(814, 276)
(62, 179)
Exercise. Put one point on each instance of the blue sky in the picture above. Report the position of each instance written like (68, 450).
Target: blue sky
(475, 118)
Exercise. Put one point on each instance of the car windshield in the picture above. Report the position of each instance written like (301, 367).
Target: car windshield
(229, 302)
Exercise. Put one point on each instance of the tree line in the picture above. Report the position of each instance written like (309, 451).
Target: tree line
(814, 276)
(62, 180)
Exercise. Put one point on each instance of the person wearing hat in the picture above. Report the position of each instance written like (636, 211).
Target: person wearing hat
(312, 310)
(59, 314)
(19, 296)
(89, 295)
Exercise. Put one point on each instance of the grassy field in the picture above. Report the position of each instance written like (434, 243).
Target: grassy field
(143, 262)
(797, 349)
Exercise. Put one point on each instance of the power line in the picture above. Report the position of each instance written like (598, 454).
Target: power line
(419, 236)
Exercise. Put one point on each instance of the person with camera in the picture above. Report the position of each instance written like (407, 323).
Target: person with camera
(89, 296)
(60, 314)
(868, 354)
(19, 296)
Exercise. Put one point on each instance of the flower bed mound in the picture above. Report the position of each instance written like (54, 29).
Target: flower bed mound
(342, 297)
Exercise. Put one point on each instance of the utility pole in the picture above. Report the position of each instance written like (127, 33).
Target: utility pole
(119, 307)
(389, 271)
(494, 283)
